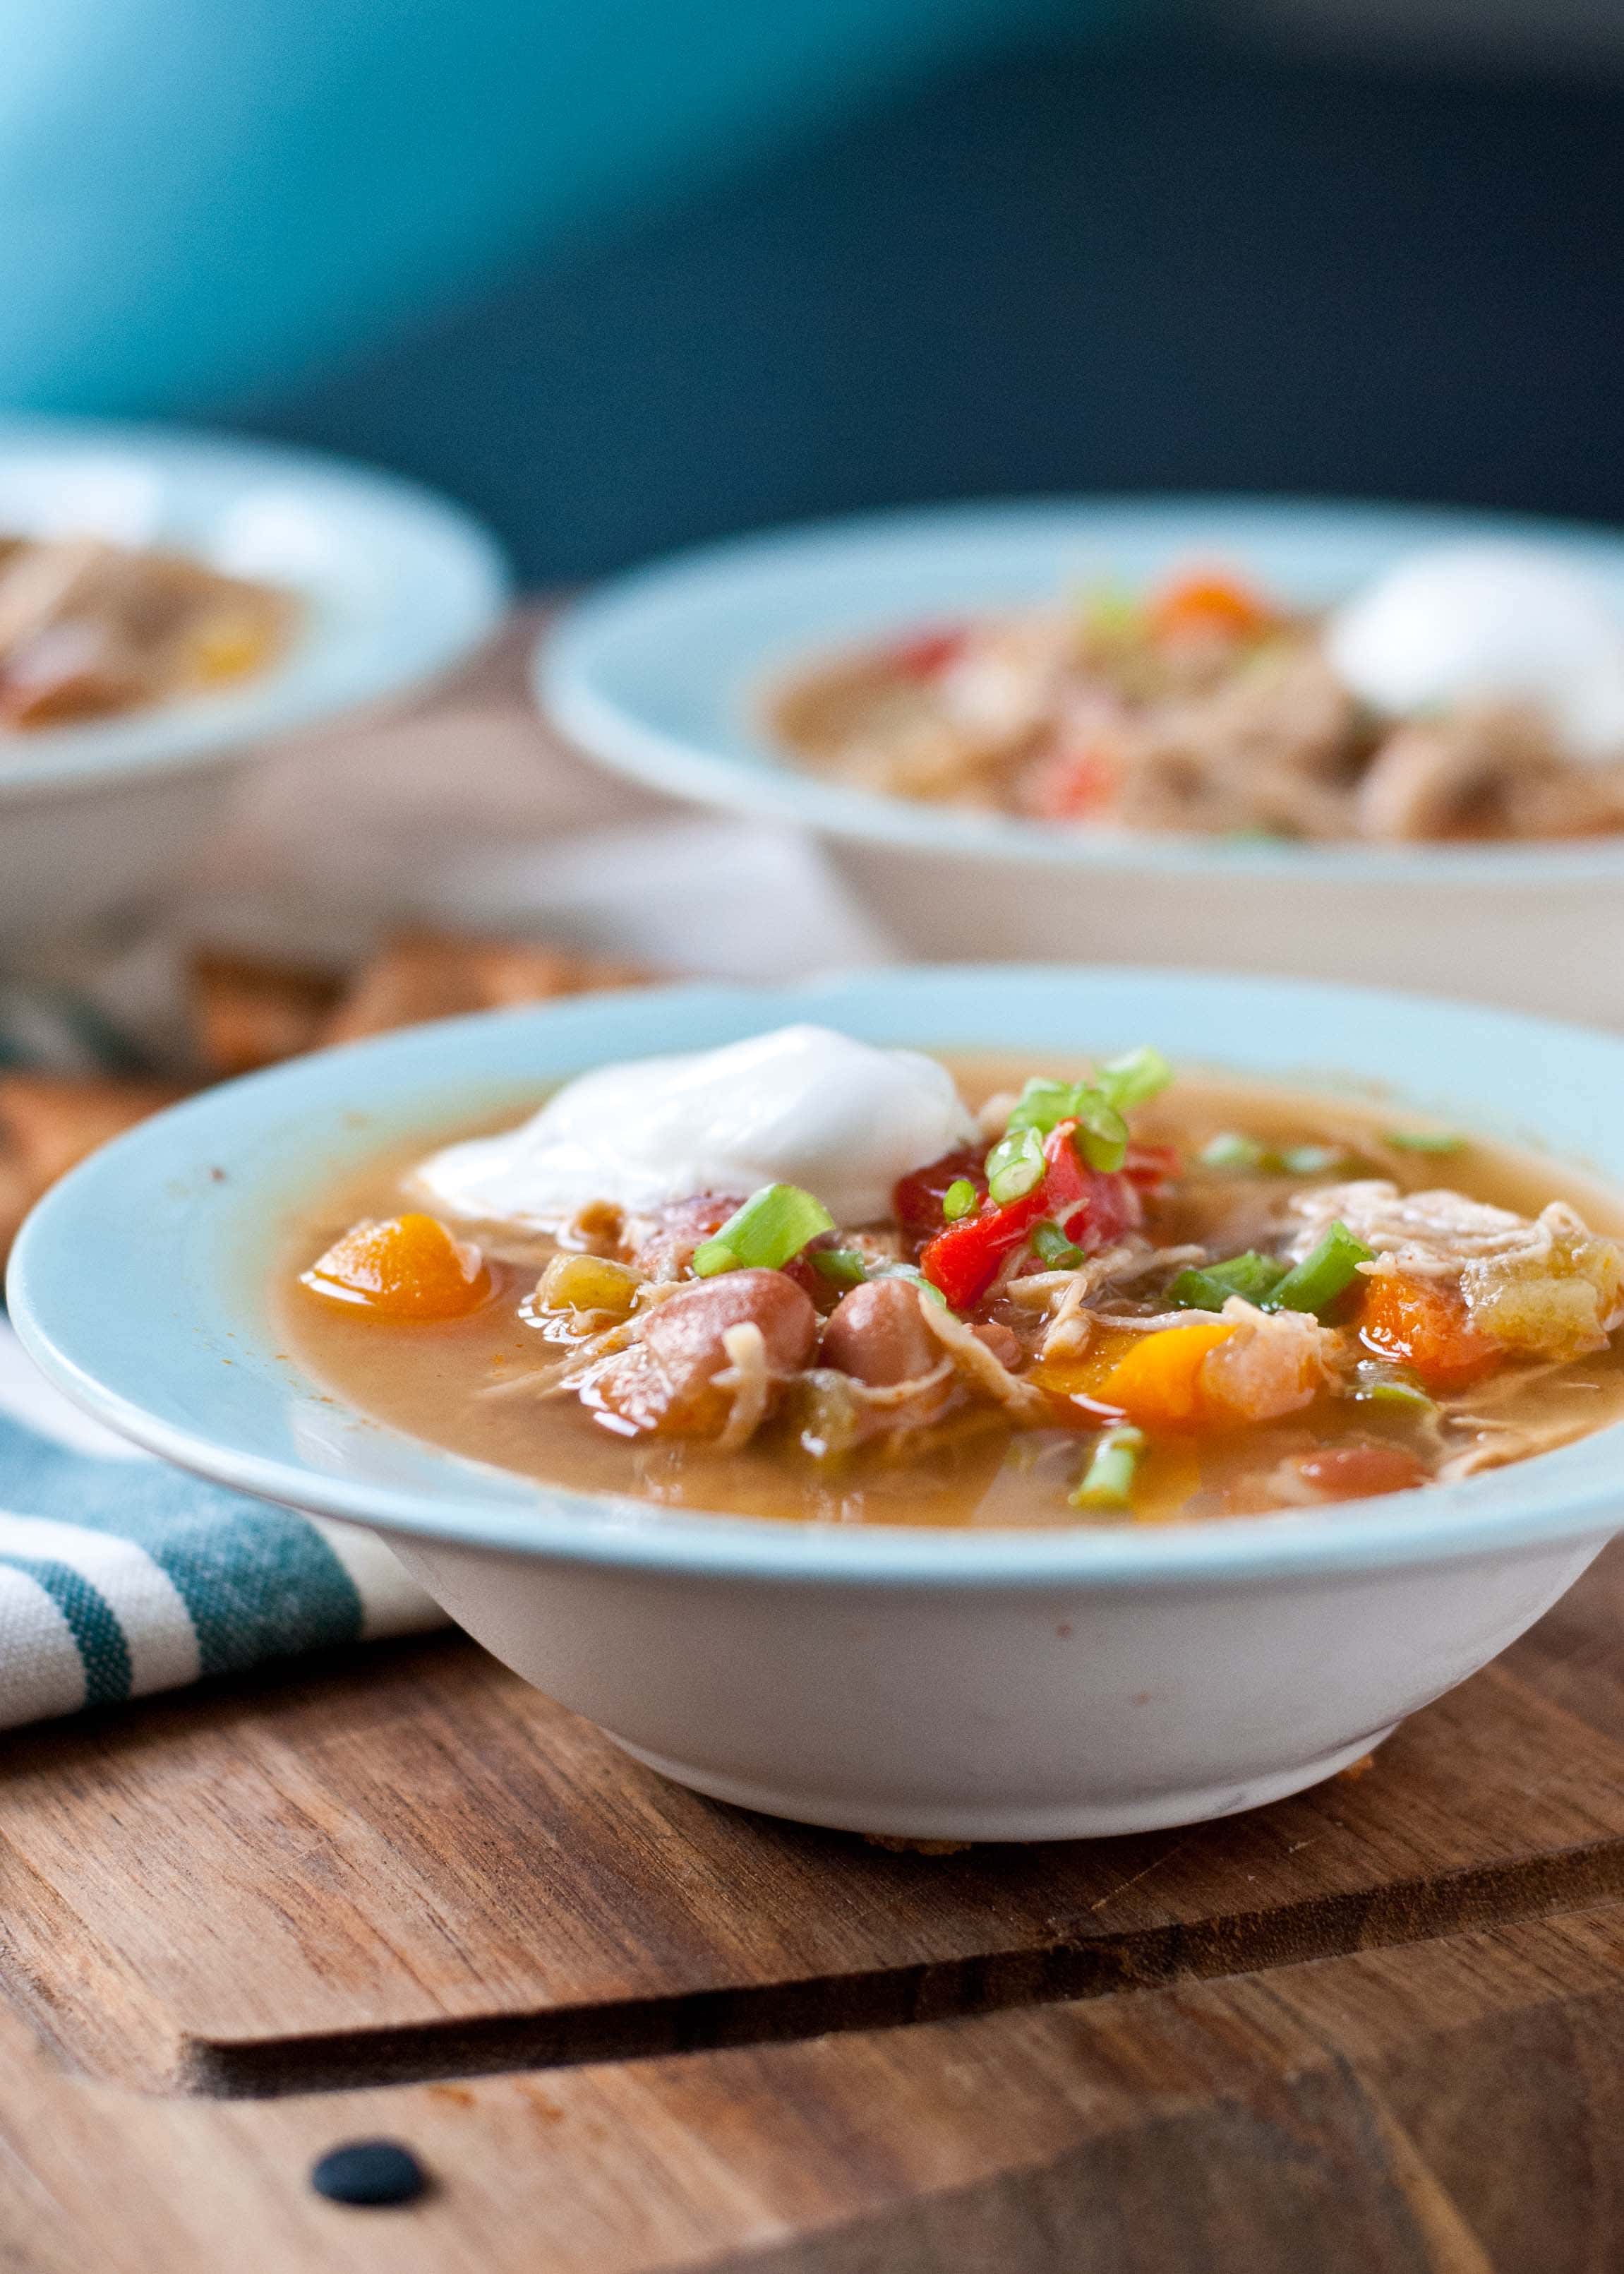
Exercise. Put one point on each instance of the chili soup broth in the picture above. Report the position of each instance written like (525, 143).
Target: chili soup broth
(1245, 1153)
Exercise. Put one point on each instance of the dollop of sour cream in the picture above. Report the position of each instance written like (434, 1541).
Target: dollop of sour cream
(802, 1105)
(1489, 621)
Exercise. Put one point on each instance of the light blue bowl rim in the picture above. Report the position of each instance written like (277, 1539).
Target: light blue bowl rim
(99, 1341)
(587, 663)
(460, 589)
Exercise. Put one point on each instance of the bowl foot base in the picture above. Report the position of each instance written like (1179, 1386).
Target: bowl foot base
(1076, 1818)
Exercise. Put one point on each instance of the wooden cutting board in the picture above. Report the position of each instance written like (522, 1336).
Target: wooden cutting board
(1379, 2027)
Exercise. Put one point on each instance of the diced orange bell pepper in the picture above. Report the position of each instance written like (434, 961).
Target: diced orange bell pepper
(1209, 606)
(1158, 1384)
(1426, 1326)
(1068, 1376)
(406, 1266)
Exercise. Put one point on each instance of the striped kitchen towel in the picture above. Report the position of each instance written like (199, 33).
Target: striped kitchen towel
(120, 1575)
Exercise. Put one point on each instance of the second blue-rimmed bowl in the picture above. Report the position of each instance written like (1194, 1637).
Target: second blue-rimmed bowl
(392, 585)
(662, 674)
(931, 1684)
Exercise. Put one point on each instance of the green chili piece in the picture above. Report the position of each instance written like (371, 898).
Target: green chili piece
(1208, 1289)
(1425, 1141)
(1134, 1079)
(1376, 1384)
(1229, 1150)
(1108, 1480)
(1015, 1166)
(1312, 1160)
(1055, 1249)
(842, 1267)
(1323, 1276)
(770, 1230)
(1101, 1133)
(1041, 1105)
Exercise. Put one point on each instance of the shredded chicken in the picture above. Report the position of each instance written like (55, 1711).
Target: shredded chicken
(1545, 1284)
(747, 1379)
(1070, 716)
(1266, 752)
(1274, 1363)
(972, 1358)
(1067, 1295)
(1432, 1235)
(1484, 771)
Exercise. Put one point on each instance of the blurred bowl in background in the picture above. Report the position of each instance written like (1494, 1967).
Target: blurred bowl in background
(392, 584)
(662, 675)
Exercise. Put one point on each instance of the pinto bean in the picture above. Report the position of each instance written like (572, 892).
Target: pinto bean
(1002, 1341)
(877, 1335)
(1360, 1472)
(663, 1245)
(666, 1382)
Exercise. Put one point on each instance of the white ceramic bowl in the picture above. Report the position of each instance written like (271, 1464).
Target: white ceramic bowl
(394, 586)
(979, 1685)
(661, 675)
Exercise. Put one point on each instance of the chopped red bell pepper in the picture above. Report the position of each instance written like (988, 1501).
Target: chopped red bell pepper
(927, 653)
(1150, 1167)
(1076, 786)
(917, 1201)
(1093, 1207)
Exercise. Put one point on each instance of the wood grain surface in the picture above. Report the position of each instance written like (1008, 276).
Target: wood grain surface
(1450, 2107)
(1378, 2027)
(410, 1864)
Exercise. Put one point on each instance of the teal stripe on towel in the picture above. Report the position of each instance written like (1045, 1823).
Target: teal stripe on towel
(99, 1637)
(259, 1581)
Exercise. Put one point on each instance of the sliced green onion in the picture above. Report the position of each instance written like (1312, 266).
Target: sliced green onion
(1425, 1141)
(1108, 1480)
(914, 1276)
(1015, 1166)
(1312, 1160)
(1112, 610)
(1131, 1080)
(1096, 1107)
(1041, 1104)
(1101, 1133)
(1376, 1384)
(1323, 1274)
(842, 1267)
(1230, 1150)
(1198, 1291)
(1059, 1252)
(773, 1225)
(1253, 1276)
(958, 1198)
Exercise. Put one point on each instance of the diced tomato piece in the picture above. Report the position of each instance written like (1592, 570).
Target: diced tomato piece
(1426, 1326)
(916, 1202)
(926, 654)
(1206, 604)
(1151, 1167)
(963, 1260)
(1075, 784)
(1091, 1207)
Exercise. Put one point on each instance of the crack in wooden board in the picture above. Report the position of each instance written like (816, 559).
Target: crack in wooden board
(413, 1864)
(789, 2012)
(1450, 2107)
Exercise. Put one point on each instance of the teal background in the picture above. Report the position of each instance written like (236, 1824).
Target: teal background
(198, 195)
(625, 275)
